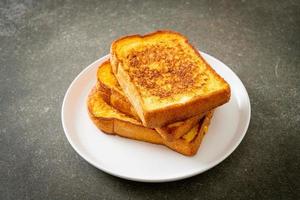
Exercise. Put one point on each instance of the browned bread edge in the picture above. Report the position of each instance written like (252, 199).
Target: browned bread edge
(126, 129)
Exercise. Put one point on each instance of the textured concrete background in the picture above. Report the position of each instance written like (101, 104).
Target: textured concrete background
(45, 44)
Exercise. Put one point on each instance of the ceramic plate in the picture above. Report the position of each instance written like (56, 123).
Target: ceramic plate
(140, 161)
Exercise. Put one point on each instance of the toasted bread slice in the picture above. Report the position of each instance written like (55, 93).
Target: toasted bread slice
(111, 91)
(165, 78)
(111, 121)
(114, 96)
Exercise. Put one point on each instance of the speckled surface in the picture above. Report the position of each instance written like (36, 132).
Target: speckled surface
(45, 44)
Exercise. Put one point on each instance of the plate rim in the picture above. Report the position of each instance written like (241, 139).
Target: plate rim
(156, 180)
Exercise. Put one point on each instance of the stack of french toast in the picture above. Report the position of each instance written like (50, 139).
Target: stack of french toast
(157, 88)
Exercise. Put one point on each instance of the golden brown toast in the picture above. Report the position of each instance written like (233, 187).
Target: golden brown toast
(165, 78)
(111, 121)
(113, 95)
(111, 91)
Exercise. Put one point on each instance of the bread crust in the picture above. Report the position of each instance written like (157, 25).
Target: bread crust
(171, 113)
(140, 133)
(111, 94)
(113, 126)
(171, 133)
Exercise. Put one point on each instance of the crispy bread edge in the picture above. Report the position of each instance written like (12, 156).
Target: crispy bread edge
(110, 94)
(171, 134)
(126, 129)
(113, 126)
(178, 112)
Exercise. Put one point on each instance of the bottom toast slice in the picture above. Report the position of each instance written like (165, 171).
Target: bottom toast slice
(111, 121)
(113, 95)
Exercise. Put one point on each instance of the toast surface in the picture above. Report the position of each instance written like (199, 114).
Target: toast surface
(113, 95)
(111, 121)
(165, 78)
(111, 91)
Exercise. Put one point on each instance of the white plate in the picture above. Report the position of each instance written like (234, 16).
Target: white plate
(140, 161)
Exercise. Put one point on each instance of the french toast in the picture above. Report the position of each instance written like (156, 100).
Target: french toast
(111, 91)
(112, 121)
(113, 95)
(165, 79)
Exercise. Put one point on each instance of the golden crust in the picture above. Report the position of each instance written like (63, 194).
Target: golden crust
(122, 127)
(178, 129)
(174, 110)
(111, 92)
(178, 112)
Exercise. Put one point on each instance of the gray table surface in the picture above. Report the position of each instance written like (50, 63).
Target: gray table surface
(45, 44)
